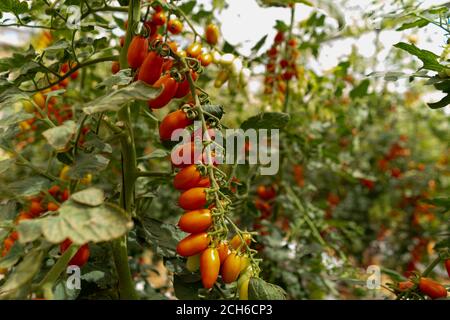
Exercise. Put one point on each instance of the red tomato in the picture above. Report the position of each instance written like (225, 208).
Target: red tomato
(65, 195)
(195, 221)
(175, 26)
(23, 216)
(223, 250)
(35, 208)
(369, 184)
(432, 288)
(159, 18)
(187, 178)
(184, 88)
(137, 51)
(266, 192)
(80, 258)
(231, 268)
(186, 154)
(205, 183)
(279, 37)
(170, 87)
(115, 67)
(54, 191)
(405, 285)
(209, 267)
(193, 244)
(173, 121)
(167, 65)
(212, 34)
(151, 69)
(193, 199)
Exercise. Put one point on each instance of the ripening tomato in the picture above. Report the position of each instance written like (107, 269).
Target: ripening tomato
(236, 240)
(137, 51)
(193, 263)
(266, 192)
(39, 99)
(115, 67)
(447, 266)
(205, 182)
(186, 154)
(167, 65)
(231, 268)
(14, 235)
(396, 173)
(151, 28)
(194, 50)
(175, 26)
(284, 63)
(193, 199)
(195, 221)
(35, 208)
(80, 258)
(223, 250)
(369, 184)
(432, 288)
(193, 244)
(8, 243)
(173, 121)
(405, 285)
(209, 267)
(205, 59)
(292, 42)
(187, 178)
(151, 69)
(65, 195)
(212, 34)
(51, 206)
(333, 199)
(159, 18)
(279, 37)
(184, 88)
(23, 216)
(170, 88)
(54, 191)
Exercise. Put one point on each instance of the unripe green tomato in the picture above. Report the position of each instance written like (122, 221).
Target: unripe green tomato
(243, 290)
(193, 263)
(245, 276)
(27, 106)
(222, 77)
(447, 72)
(217, 57)
(442, 74)
(227, 59)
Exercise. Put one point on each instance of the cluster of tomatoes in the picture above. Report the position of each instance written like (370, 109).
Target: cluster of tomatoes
(264, 204)
(395, 151)
(281, 66)
(426, 286)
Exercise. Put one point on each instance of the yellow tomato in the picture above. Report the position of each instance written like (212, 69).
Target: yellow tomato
(193, 263)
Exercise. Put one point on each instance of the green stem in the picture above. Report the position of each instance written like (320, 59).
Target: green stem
(430, 268)
(287, 94)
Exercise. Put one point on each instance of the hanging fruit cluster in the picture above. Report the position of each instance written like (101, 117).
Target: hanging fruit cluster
(281, 66)
(264, 203)
(158, 62)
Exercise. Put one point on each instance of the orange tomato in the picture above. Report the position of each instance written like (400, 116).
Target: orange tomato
(212, 34)
(266, 192)
(170, 87)
(115, 67)
(35, 208)
(236, 240)
(195, 221)
(209, 267)
(159, 18)
(193, 199)
(205, 59)
(137, 51)
(187, 178)
(432, 288)
(231, 268)
(186, 154)
(151, 69)
(175, 26)
(51, 206)
(223, 250)
(173, 121)
(193, 244)
(194, 50)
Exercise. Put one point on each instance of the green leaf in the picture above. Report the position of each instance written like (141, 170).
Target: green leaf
(14, 6)
(163, 236)
(266, 120)
(185, 289)
(5, 165)
(360, 90)
(258, 289)
(259, 44)
(121, 78)
(155, 154)
(215, 110)
(13, 256)
(14, 118)
(113, 101)
(92, 197)
(87, 163)
(59, 137)
(441, 103)
(23, 273)
(29, 186)
(419, 23)
(80, 223)
(188, 6)
(429, 59)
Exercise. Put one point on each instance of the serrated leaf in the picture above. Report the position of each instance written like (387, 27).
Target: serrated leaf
(29, 186)
(429, 59)
(92, 197)
(59, 137)
(87, 163)
(121, 78)
(259, 289)
(113, 101)
(266, 120)
(78, 222)
(23, 273)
